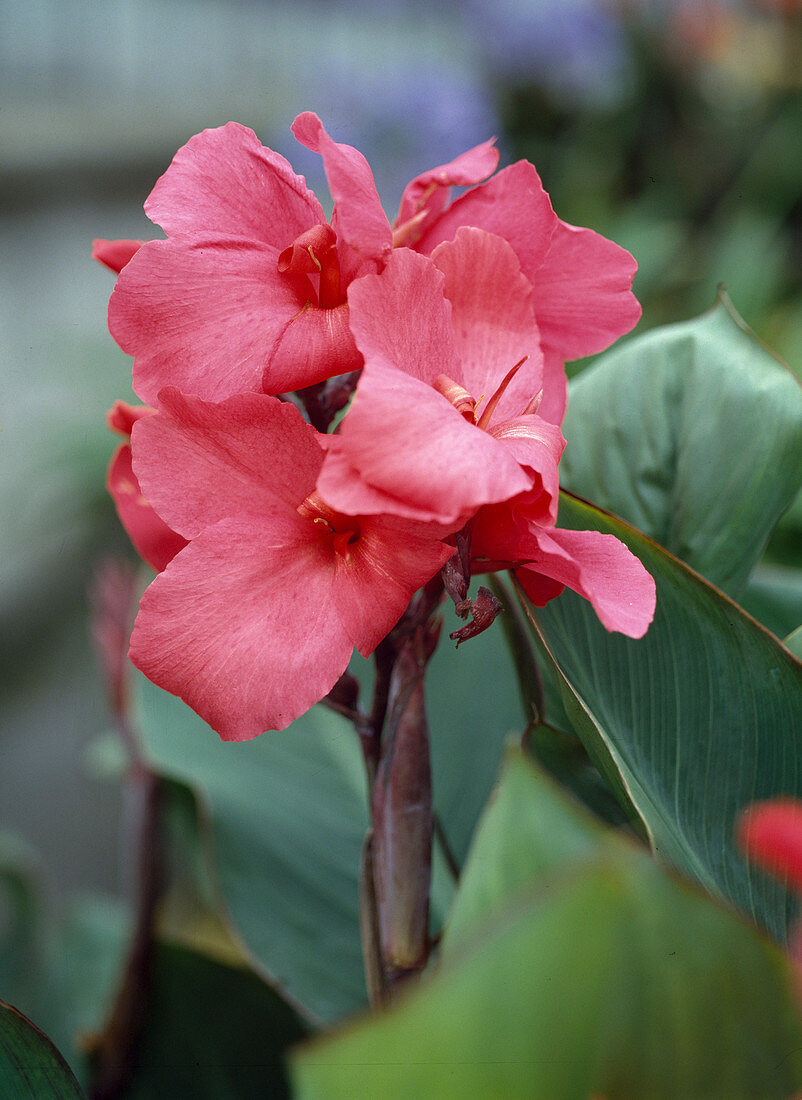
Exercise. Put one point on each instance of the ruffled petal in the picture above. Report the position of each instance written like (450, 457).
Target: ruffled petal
(315, 345)
(401, 318)
(243, 627)
(360, 218)
(513, 205)
(583, 292)
(429, 192)
(409, 441)
(154, 541)
(204, 316)
(601, 569)
(493, 318)
(225, 182)
(376, 580)
(114, 254)
(201, 462)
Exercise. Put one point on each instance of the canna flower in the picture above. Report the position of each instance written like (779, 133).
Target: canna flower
(444, 419)
(249, 292)
(256, 618)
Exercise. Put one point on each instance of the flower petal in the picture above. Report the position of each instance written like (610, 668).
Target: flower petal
(555, 388)
(409, 441)
(402, 319)
(360, 217)
(242, 625)
(493, 318)
(601, 569)
(225, 182)
(513, 205)
(315, 345)
(391, 560)
(537, 445)
(430, 190)
(154, 541)
(583, 292)
(200, 462)
(114, 254)
(204, 316)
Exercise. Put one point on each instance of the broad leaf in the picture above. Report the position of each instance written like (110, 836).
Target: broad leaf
(288, 816)
(695, 720)
(30, 1066)
(582, 968)
(692, 433)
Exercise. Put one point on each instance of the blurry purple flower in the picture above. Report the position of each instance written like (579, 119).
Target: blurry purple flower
(575, 49)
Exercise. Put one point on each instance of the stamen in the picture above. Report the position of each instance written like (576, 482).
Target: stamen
(457, 395)
(490, 407)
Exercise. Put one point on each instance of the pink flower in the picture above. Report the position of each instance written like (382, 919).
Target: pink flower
(256, 619)
(770, 834)
(444, 419)
(248, 292)
(520, 535)
(153, 540)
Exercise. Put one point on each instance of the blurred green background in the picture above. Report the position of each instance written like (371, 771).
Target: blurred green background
(673, 127)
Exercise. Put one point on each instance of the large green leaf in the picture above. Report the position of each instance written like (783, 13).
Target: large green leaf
(288, 816)
(692, 433)
(695, 720)
(212, 1032)
(581, 968)
(30, 1066)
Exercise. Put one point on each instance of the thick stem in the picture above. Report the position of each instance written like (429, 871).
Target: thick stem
(401, 809)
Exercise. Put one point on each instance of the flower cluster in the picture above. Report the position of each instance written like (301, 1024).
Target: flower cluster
(283, 539)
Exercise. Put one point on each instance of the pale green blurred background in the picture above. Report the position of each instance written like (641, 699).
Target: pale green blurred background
(675, 128)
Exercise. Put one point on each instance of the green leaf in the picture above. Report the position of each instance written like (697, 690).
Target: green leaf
(794, 642)
(774, 596)
(30, 1066)
(527, 832)
(692, 433)
(288, 816)
(695, 720)
(212, 1032)
(582, 968)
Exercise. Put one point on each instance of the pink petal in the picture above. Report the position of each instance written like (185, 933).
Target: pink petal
(409, 441)
(154, 541)
(430, 191)
(555, 388)
(538, 446)
(513, 205)
(583, 292)
(493, 318)
(225, 182)
(114, 254)
(389, 563)
(204, 316)
(315, 345)
(770, 833)
(121, 417)
(401, 317)
(361, 220)
(200, 462)
(242, 625)
(601, 569)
